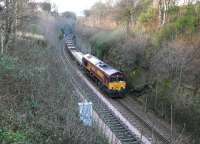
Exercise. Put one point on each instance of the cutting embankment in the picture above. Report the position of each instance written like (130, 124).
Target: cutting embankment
(37, 104)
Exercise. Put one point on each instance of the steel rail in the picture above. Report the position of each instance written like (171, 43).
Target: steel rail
(117, 127)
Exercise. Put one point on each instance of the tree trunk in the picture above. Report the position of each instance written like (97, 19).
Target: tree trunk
(2, 41)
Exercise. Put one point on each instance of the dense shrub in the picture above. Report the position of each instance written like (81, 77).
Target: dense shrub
(102, 42)
(169, 32)
(148, 16)
(7, 65)
(9, 137)
(186, 24)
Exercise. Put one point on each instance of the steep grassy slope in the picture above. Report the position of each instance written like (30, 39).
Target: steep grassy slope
(37, 105)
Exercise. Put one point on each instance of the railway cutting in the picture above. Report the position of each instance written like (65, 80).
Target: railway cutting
(117, 126)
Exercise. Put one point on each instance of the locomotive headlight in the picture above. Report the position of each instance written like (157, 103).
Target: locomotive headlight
(118, 86)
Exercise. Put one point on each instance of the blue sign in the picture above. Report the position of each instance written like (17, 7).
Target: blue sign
(86, 113)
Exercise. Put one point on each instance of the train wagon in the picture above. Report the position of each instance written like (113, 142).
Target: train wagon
(78, 56)
(111, 80)
(69, 46)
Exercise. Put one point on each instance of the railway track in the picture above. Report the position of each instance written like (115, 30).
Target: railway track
(162, 138)
(120, 130)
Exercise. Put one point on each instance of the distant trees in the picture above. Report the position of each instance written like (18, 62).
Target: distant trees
(163, 6)
(14, 14)
(68, 14)
(125, 12)
(46, 6)
(87, 13)
(100, 15)
(7, 22)
(69, 25)
(98, 12)
(11, 16)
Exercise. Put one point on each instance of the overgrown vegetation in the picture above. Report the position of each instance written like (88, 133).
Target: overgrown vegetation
(160, 56)
(183, 22)
(37, 105)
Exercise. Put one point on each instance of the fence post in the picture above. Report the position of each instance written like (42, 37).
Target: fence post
(141, 134)
(171, 123)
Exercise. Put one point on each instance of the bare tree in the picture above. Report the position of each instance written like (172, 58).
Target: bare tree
(163, 6)
(11, 14)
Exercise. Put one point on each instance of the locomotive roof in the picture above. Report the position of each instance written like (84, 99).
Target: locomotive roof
(101, 65)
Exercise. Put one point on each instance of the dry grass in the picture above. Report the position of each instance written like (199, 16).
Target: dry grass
(36, 98)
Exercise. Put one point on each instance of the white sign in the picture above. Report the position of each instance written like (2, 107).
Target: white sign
(85, 109)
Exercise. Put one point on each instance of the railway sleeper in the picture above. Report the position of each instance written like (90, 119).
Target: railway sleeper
(121, 126)
(124, 135)
(134, 142)
(99, 108)
(113, 124)
(111, 120)
(104, 110)
(118, 129)
(130, 140)
(106, 116)
(109, 116)
(127, 137)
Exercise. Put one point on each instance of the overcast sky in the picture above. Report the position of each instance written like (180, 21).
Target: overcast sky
(76, 6)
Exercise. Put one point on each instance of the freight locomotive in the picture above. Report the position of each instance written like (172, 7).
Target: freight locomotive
(107, 78)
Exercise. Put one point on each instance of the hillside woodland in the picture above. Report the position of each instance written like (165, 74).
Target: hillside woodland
(157, 45)
(37, 105)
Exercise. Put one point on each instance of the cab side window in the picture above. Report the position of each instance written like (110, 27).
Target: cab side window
(85, 62)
